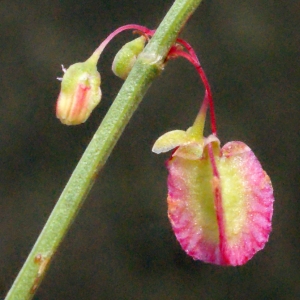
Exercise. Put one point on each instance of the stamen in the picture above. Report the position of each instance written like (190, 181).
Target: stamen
(63, 68)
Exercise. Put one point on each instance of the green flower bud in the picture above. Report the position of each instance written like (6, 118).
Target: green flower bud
(80, 92)
(126, 57)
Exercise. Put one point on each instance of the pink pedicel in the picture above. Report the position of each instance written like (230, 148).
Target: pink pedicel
(247, 203)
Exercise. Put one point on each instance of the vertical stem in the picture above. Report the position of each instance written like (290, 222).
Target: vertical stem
(146, 69)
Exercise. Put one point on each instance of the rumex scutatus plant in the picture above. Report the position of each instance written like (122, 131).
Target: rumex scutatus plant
(219, 198)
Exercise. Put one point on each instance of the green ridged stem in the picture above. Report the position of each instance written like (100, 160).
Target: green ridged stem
(145, 70)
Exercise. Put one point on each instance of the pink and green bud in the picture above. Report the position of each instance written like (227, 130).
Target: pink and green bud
(220, 200)
(80, 92)
(126, 57)
(80, 88)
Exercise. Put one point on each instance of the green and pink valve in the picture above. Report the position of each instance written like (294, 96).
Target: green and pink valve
(220, 200)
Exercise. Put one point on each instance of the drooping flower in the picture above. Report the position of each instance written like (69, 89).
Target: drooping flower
(80, 92)
(220, 200)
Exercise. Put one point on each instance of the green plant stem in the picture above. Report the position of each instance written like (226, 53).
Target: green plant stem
(145, 70)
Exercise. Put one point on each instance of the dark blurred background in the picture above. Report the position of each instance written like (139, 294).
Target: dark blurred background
(121, 245)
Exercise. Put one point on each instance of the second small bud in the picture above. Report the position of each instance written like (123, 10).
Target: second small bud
(126, 57)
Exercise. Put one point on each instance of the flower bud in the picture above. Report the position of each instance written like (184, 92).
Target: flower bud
(126, 57)
(80, 92)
